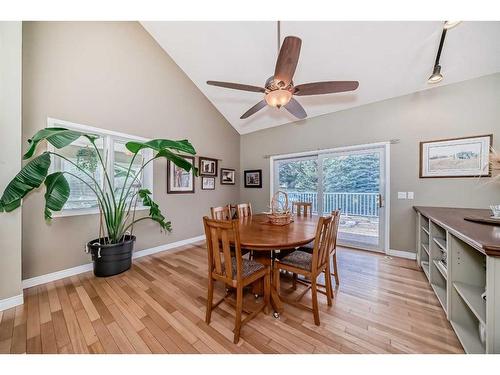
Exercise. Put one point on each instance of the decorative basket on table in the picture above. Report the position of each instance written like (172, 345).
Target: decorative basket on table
(280, 213)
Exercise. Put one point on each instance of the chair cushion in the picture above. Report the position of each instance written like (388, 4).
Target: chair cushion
(299, 259)
(308, 248)
(248, 267)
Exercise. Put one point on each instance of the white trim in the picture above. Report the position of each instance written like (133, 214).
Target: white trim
(47, 278)
(53, 123)
(387, 188)
(43, 279)
(86, 211)
(167, 246)
(329, 150)
(387, 196)
(10, 302)
(402, 254)
(109, 139)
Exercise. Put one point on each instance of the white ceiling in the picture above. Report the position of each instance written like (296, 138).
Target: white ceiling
(389, 59)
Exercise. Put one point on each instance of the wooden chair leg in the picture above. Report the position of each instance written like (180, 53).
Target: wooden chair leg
(314, 292)
(294, 282)
(239, 309)
(328, 284)
(210, 297)
(276, 279)
(267, 292)
(335, 270)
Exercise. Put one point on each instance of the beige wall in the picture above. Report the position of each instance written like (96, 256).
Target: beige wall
(463, 109)
(10, 154)
(114, 76)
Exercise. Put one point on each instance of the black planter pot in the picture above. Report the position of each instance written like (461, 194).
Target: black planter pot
(111, 259)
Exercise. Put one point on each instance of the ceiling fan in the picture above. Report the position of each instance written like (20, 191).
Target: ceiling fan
(279, 89)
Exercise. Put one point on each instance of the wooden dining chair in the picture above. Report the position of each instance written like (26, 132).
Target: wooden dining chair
(244, 209)
(310, 266)
(332, 251)
(302, 208)
(221, 213)
(234, 271)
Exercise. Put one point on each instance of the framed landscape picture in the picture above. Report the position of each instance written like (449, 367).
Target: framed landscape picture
(253, 179)
(178, 180)
(207, 167)
(227, 176)
(456, 157)
(208, 183)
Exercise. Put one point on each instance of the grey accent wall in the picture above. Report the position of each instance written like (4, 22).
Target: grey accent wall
(113, 75)
(10, 154)
(464, 109)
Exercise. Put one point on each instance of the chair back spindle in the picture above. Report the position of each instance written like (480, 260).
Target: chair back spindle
(221, 213)
(218, 236)
(334, 231)
(302, 209)
(244, 210)
(322, 241)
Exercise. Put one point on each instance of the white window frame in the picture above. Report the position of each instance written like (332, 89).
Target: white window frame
(386, 187)
(109, 137)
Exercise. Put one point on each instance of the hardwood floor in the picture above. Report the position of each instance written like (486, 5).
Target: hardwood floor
(383, 305)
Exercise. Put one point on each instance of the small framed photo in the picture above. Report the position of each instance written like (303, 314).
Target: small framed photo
(253, 179)
(208, 183)
(456, 157)
(227, 176)
(207, 167)
(178, 180)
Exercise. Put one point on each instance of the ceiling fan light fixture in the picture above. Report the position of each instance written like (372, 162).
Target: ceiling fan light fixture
(436, 75)
(451, 24)
(278, 98)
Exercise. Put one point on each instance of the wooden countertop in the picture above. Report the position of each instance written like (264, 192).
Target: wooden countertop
(483, 237)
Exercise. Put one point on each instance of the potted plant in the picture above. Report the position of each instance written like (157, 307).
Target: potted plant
(112, 250)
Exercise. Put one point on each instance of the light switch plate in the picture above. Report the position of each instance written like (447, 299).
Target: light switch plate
(410, 195)
(401, 194)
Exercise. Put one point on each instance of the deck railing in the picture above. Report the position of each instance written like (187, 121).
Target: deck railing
(356, 204)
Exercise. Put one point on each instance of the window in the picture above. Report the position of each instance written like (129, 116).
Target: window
(111, 146)
(351, 179)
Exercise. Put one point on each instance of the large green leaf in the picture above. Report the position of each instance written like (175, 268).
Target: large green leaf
(154, 210)
(178, 160)
(30, 177)
(162, 144)
(57, 137)
(57, 193)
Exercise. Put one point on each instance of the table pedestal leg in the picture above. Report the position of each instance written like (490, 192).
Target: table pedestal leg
(276, 302)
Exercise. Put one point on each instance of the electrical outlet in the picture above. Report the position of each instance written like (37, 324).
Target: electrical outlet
(410, 195)
(401, 194)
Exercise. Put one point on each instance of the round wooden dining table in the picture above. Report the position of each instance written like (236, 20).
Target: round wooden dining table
(259, 235)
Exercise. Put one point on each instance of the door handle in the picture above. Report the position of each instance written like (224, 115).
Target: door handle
(380, 200)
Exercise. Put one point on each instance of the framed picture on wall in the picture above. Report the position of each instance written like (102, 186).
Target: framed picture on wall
(227, 176)
(208, 183)
(253, 178)
(178, 180)
(207, 167)
(456, 157)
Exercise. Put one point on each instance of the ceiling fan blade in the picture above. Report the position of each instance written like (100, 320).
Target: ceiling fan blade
(256, 108)
(287, 59)
(329, 87)
(296, 109)
(236, 86)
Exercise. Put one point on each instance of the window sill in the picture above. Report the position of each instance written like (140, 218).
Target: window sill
(85, 211)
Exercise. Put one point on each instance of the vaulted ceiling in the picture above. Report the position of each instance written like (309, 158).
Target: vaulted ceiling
(389, 59)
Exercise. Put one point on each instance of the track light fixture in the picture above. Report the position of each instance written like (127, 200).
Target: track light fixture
(436, 75)
(451, 24)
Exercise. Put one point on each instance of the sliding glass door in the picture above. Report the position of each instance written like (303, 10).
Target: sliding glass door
(352, 181)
